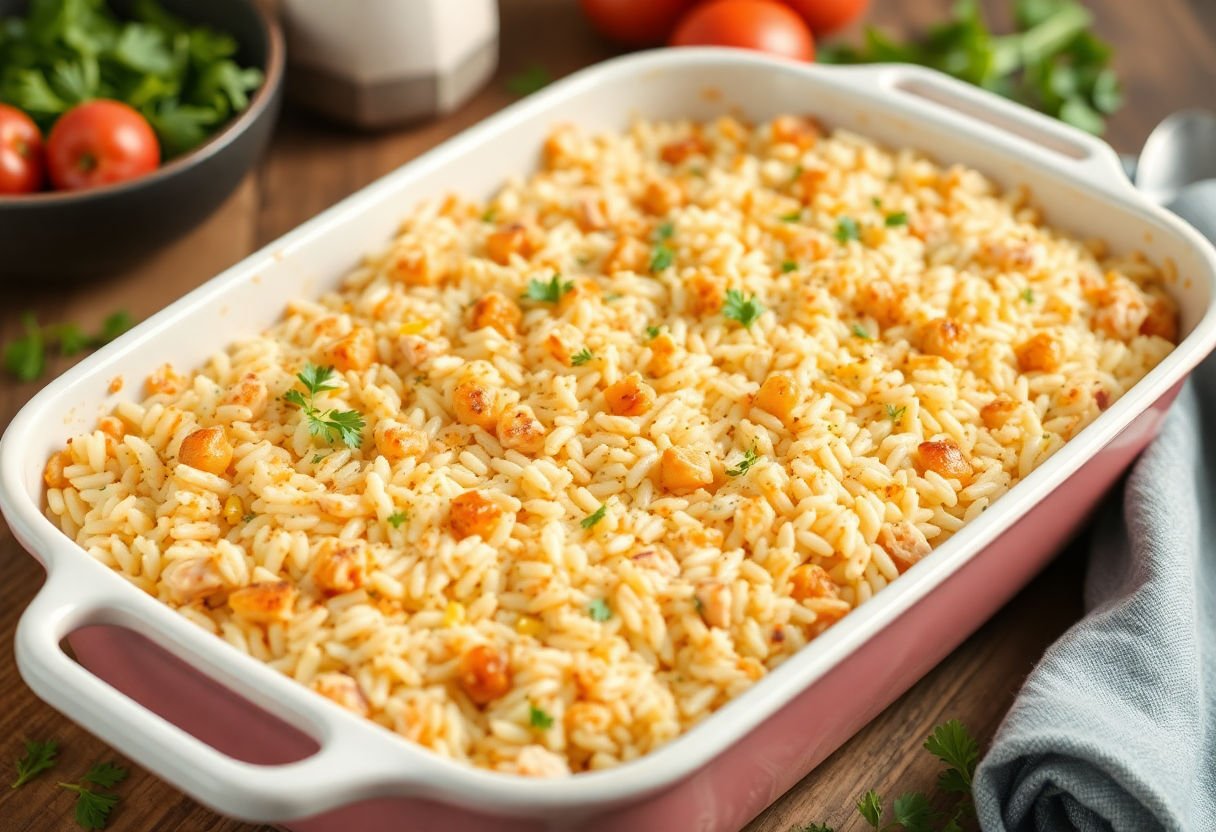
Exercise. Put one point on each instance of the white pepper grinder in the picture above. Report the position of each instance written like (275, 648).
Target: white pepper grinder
(376, 63)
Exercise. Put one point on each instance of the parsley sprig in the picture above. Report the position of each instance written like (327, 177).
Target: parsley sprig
(912, 811)
(750, 458)
(25, 356)
(662, 255)
(539, 718)
(334, 425)
(93, 807)
(594, 517)
(529, 80)
(599, 610)
(38, 757)
(550, 292)
(847, 229)
(745, 310)
(582, 357)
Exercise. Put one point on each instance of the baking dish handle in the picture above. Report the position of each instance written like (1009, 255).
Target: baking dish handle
(340, 772)
(1023, 130)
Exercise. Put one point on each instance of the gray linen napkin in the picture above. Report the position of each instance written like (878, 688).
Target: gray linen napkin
(1115, 729)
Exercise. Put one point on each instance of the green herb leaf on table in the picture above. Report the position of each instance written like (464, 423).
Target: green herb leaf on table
(38, 757)
(25, 357)
(913, 812)
(550, 292)
(528, 81)
(92, 808)
(870, 808)
(745, 310)
(106, 775)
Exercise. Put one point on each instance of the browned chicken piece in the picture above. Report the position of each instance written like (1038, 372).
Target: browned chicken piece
(810, 181)
(799, 131)
(1161, 320)
(249, 391)
(811, 581)
(661, 196)
(943, 457)
(506, 241)
(779, 395)
(685, 469)
(206, 449)
(264, 603)
(519, 429)
(353, 351)
(630, 396)
(944, 337)
(905, 543)
(484, 674)
(581, 288)
(475, 403)
(662, 355)
(397, 441)
(112, 427)
(1122, 309)
(472, 514)
(714, 603)
(415, 267)
(344, 690)
(881, 301)
(417, 350)
(1039, 354)
(997, 412)
(190, 579)
(53, 474)
(591, 214)
(340, 566)
(706, 294)
(496, 310)
(628, 254)
(164, 379)
(680, 150)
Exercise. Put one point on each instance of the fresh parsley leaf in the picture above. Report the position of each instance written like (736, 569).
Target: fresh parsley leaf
(953, 744)
(788, 266)
(792, 216)
(913, 812)
(599, 610)
(859, 331)
(92, 808)
(529, 81)
(594, 517)
(895, 414)
(750, 458)
(582, 357)
(847, 229)
(397, 518)
(663, 231)
(813, 827)
(539, 719)
(106, 775)
(870, 808)
(550, 292)
(317, 458)
(115, 324)
(72, 339)
(897, 219)
(248, 518)
(741, 309)
(334, 425)
(652, 332)
(25, 357)
(38, 757)
(317, 379)
(1027, 295)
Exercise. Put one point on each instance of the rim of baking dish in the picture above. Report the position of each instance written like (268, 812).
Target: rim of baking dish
(411, 769)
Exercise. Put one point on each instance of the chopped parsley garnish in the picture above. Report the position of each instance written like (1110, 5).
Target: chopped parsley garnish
(333, 425)
(652, 332)
(489, 215)
(896, 219)
(1028, 295)
(594, 517)
(248, 518)
(847, 229)
(611, 296)
(599, 610)
(750, 458)
(661, 258)
(876, 201)
(318, 458)
(798, 171)
(93, 807)
(895, 413)
(788, 266)
(664, 231)
(397, 518)
(529, 81)
(550, 292)
(582, 357)
(741, 309)
(698, 604)
(859, 331)
(38, 757)
(539, 719)
(792, 216)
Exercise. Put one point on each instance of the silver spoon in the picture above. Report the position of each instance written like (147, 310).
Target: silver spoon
(1180, 151)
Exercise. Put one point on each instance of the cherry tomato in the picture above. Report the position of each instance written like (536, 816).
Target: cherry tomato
(635, 22)
(748, 24)
(825, 16)
(21, 159)
(99, 143)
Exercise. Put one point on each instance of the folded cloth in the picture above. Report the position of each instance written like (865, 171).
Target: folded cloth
(1115, 729)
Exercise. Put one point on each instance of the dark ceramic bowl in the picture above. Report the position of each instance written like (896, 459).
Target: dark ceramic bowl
(56, 236)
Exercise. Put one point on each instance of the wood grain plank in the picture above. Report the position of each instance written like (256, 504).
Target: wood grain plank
(1167, 57)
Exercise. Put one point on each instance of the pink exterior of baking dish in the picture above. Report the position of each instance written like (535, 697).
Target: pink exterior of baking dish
(316, 768)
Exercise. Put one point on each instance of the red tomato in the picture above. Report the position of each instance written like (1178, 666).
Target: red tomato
(748, 24)
(825, 16)
(100, 143)
(635, 22)
(21, 161)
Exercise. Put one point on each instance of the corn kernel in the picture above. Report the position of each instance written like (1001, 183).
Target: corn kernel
(528, 625)
(413, 327)
(234, 510)
(453, 614)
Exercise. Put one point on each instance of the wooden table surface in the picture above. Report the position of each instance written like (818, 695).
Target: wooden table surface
(1166, 52)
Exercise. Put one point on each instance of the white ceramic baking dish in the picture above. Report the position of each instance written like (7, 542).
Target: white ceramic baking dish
(355, 775)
